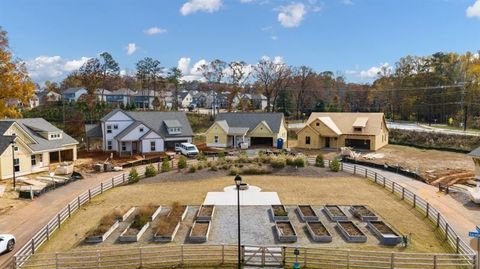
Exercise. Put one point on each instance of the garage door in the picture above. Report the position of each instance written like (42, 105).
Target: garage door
(358, 143)
(170, 145)
(261, 141)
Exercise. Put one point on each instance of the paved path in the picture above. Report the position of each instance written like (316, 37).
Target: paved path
(463, 215)
(28, 220)
(409, 126)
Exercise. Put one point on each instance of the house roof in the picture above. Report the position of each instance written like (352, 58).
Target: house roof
(475, 152)
(34, 125)
(345, 121)
(93, 130)
(73, 90)
(155, 121)
(251, 120)
(360, 122)
(127, 130)
(4, 140)
(330, 124)
(172, 123)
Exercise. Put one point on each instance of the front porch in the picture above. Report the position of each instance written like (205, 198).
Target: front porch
(129, 147)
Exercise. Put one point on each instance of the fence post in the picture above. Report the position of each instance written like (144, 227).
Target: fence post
(78, 201)
(47, 232)
(181, 254)
(69, 210)
(428, 210)
(366, 171)
(414, 200)
(375, 177)
(348, 259)
(263, 257)
(284, 254)
(446, 230)
(56, 260)
(158, 166)
(89, 195)
(438, 219)
(113, 182)
(101, 187)
(341, 165)
(59, 220)
(98, 259)
(457, 245)
(434, 261)
(123, 178)
(141, 256)
(384, 182)
(223, 253)
(403, 193)
(305, 258)
(33, 246)
(354, 169)
(392, 261)
(393, 186)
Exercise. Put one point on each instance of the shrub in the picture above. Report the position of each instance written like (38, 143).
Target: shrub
(213, 167)
(165, 165)
(278, 162)
(150, 171)
(319, 162)
(192, 169)
(334, 165)
(133, 176)
(290, 161)
(143, 216)
(234, 171)
(105, 224)
(201, 157)
(200, 165)
(255, 170)
(221, 155)
(299, 162)
(182, 162)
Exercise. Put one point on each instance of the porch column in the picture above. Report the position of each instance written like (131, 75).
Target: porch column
(59, 156)
(131, 148)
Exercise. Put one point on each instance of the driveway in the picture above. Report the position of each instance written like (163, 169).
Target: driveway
(27, 220)
(409, 126)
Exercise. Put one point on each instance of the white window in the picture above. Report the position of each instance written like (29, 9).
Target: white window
(152, 146)
(109, 129)
(15, 148)
(124, 146)
(33, 160)
(307, 140)
(215, 139)
(40, 158)
(109, 145)
(16, 164)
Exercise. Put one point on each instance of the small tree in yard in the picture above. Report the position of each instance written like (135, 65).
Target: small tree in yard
(334, 165)
(150, 171)
(319, 162)
(182, 163)
(165, 165)
(133, 176)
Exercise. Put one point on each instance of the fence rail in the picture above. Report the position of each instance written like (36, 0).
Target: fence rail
(465, 255)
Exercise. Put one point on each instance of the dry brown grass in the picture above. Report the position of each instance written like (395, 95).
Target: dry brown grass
(341, 190)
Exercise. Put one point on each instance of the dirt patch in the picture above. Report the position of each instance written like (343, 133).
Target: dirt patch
(306, 210)
(382, 227)
(200, 229)
(206, 211)
(360, 210)
(285, 228)
(335, 210)
(279, 211)
(318, 228)
(351, 228)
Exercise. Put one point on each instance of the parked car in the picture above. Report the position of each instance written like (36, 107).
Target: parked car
(186, 149)
(7, 243)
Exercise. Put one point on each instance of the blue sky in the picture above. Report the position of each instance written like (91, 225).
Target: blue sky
(352, 37)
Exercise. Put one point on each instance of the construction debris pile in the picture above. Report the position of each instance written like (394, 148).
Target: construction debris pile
(449, 177)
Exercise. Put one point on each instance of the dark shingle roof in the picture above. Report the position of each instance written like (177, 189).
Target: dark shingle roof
(4, 140)
(475, 152)
(251, 120)
(93, 130)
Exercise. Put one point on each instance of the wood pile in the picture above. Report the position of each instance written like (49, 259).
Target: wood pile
(448, 177)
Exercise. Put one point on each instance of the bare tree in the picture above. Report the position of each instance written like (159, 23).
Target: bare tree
(214, 73)
(238, 74)
(303, 77)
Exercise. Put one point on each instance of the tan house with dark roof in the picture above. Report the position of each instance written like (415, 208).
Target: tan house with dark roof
(334, 130)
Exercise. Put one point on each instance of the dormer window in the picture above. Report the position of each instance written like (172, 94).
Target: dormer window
(174, 130)
(357, 129)
(55, 136)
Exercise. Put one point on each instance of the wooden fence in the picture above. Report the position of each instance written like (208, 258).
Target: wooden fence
(464, 257)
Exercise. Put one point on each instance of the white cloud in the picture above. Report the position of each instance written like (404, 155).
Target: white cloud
(45, 68)
(274, 37)
(193, 6)
(474, 10)
(374, 71)
(247, 1)
(291, 15)
(131, 48)
(155, 31)
(347, 2)
(190, 73)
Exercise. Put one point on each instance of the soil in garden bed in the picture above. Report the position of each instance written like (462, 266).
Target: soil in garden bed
(382, 227)
(165, 225)
(363, 211)
(206, 211)
(318, 228)
(279, 211)
(200, 229)
(131, 231)
(105, 223)
(335, 210)
(285, 228)
(351, 228)
(307, 210)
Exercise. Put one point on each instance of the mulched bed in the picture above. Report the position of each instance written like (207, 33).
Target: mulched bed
(206, 210)
(307, 211)
(335, 210)
(318, 228)
(279, 211)
(200, 229)
(382, 227)
(363, 211)
(351, 229)
(285, 228)
(166, 224)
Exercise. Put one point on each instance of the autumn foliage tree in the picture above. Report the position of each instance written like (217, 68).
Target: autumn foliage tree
(14, 80)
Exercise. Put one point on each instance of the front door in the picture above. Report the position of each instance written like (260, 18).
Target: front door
(134, 147)
(327, 142)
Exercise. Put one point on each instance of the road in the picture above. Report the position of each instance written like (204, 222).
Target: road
(425, 128)
(26, 221)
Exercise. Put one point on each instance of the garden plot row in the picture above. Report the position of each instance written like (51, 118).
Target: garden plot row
(164, 226)
(348, 229)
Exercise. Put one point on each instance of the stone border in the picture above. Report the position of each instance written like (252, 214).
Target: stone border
(319, 238)
(165, 239)
(279, 218)
(101, 238)
(351, 238)
(365, 218)
(133, 238)
(286, 238)
(156, 213)
(385, 239)
(205, 218)
(307, 218)
(199, 239)
(128, 214)
(333, 217)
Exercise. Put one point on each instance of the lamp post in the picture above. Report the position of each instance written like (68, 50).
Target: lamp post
(296, 252)
(238, 181)
(14, 136)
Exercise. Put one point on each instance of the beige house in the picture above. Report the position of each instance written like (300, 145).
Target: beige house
(37, 145)
(367, 131)
(475, 154)
(253, 129)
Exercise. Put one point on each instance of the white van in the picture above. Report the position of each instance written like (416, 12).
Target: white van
(186, 149)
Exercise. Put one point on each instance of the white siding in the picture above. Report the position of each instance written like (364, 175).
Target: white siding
(135, 134)
(159, 146)
(122, 120)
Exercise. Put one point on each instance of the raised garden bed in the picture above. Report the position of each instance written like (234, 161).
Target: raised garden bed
(351, 232)
(363, 213)
(319, 232)
(205, 212)
(384, 233)
(103, 230)
(285, 232)
(279, 212)
(122, 212)
(167, 226)
(307, 213)
(335, 213)
(156, 213)
(200, 231)
(140, 224)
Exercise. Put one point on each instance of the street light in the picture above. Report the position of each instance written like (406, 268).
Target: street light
(238, 181)
(296, 252)
(14, 136)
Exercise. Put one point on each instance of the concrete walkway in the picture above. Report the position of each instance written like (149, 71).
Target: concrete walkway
(462, 214)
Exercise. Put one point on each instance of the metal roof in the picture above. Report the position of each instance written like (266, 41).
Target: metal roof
(251, 120)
